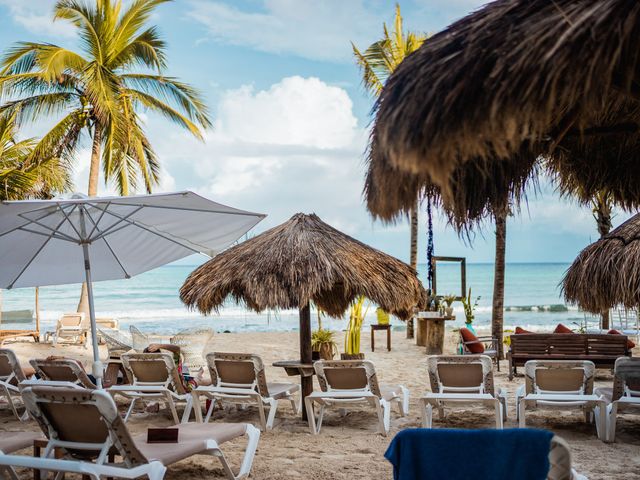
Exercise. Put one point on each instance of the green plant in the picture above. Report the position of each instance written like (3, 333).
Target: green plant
(469, 307)
(449, 299)
(357, 314)
(321, 337)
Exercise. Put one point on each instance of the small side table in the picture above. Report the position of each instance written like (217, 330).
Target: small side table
(386, 327)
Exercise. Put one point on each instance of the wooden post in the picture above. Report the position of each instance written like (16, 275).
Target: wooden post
(435, 336)
(305, 353)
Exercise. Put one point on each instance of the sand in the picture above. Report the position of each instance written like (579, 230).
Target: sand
(349, 447)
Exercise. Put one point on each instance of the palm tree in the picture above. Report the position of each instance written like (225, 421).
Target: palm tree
(377, 62)
(497, 310)
(99, 90)
(21, 174)
(602, 208)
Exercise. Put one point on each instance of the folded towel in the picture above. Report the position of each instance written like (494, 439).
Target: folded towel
(426, 454)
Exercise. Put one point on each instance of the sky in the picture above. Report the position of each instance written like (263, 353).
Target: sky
(291, 118)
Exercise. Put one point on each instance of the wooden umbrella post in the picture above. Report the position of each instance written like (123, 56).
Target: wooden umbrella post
(305, 353)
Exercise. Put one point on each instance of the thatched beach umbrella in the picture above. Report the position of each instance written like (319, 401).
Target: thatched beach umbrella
(475, 109)
(607, 272)
(300, 261)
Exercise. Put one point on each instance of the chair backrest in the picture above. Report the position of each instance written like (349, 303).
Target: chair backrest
(237, 370)
(88, 419)
(115, 345)
(74, 319)
(559, 376)
(461, 373)
(158, 369)
(192, 343)
(62, 370)
(107, 322)
(10, 369)
(626, 380)
(347, 375)
(140, 340)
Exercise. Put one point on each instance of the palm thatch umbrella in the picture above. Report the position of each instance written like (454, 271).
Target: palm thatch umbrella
(473, 112)
(607, 272)
(301, 261)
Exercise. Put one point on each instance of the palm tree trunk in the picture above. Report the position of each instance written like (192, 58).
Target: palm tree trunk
(94, 174)
(602, 214)
(413, 255)
(497, 312)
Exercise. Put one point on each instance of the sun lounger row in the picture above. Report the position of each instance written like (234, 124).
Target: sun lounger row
(240, 379)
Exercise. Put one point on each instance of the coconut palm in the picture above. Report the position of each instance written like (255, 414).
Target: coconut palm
(21, 174)
(99, 90)
(377, 62)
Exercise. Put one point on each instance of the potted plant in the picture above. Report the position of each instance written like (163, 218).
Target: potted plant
(357, 315)
(469, 308)
(448, 300)
(322, 342)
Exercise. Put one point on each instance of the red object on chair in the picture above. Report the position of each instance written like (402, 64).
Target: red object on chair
(520, 331)
(562, 329)
(630, 344)
(468, 336)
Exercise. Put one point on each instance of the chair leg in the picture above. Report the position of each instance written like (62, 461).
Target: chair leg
(499, 418)
(382, 409)
(521, 407)
(427, 415)
(252, 445)
(187, 409)
(323, 408)
(294, 404)
(210, 410)
(404, 402)
(130, 409)
(601, 422)
(612, 418)
(157, 471)
(308, 403)
(273, 407)
(172, 407)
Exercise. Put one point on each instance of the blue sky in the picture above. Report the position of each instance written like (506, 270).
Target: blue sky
(291, 117)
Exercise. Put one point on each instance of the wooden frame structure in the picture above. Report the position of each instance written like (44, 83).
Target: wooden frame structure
(463, 273)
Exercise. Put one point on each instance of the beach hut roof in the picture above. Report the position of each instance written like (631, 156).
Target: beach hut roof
(300, 260)
(514, 82)
(607, 272)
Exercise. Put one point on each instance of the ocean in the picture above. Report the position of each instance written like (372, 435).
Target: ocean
(151, 302)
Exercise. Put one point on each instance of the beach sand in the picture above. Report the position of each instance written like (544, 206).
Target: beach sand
(349, 447)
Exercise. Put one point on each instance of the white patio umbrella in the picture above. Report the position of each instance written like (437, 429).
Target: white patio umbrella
(87, 239)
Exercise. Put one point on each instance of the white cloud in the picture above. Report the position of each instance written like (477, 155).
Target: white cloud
(36, 16)
(317, 30)
(295, 146)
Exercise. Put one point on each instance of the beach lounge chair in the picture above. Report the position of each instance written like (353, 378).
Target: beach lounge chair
(346, 383)
(11, 374)
(239, 379)
(496, 454)
(625, 394)
(461, 380)
(11, 442)
(561, 384)
(71, 327)
(87, 425)
(62, 370)
(155, 377)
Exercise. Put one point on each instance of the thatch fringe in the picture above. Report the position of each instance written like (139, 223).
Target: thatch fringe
(518, 79)
(607, 272)
(302, 260)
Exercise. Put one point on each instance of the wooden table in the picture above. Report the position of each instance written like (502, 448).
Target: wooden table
(430, 333)
(386, 327)
(306, 373)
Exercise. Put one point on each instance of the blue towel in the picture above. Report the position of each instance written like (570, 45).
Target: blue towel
(426, 454)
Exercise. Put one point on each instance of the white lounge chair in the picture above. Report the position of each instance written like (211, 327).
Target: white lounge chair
(461, 380)
(625, 394)
(154, 376)
(11, 374)
(87, 425)
(62, 370)
(239, 379)
(346, 383)
(561, 384)
(11, 442)
(71, 327)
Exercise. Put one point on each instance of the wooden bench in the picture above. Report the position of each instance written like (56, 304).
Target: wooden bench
(601, 349)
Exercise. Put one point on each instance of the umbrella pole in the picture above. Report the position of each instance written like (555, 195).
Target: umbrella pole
(97, 365)
(305, 354)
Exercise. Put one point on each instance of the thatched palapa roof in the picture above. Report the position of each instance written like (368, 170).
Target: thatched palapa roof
(472, 112)
(607, 272)
(300, 260)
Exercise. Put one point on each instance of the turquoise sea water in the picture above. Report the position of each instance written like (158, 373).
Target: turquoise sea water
(532, 299)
